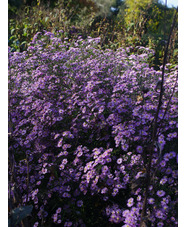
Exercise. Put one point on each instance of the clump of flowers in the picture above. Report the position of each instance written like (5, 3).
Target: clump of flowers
(81, 125)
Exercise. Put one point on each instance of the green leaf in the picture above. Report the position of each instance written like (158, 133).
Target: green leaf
(25, 30)
(12, 37)
(46, 19)
(18, 214)
(24, 42)
(12, 31)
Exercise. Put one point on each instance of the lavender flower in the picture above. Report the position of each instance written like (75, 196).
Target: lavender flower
(77, 115)
(79, 203)
(139, 149)
(130, 202)
(160, 193)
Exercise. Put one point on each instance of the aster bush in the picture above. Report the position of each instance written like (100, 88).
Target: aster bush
(81, 122)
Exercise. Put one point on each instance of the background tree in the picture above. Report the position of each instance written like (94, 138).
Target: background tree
(118, 23)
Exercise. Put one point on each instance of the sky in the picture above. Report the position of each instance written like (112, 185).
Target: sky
(171, 3)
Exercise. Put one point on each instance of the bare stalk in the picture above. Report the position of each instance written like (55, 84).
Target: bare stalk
(28, 176)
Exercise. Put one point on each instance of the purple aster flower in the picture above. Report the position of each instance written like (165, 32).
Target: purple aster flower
(175, 174)
(139, 149)
(165, 208)
(172, 135)
(122, 167)
(104, 190)
(36, 224)
(118, 211)
(172, 154)
(44, 171)
(108, 211)
(59, 221)
(96, 152)
(159, 214)
(130, 202)
(119, 161)
(126, 178)
(165, 201)
(101, 109)
(49, 195)
(168, 170)
(160, 193)
(115, 191)
(60, 142)
(166, 157)
(173, 219)
(151, 201)
(125, 147)
(58, 210)
(68, 134)
(66, 195)
(65, 153)
(135, 210)
(108, 160)
(80, 154)
(136, 138)
(110, 182)
(163, 163)
(23, 132)
(139, 198)
(163, 180)
(64, 161)
(170, 180)
(66, 146)
(55, 216)
(79, 203)
(140, 205)
(112, 217)
(105, 198)
(105, 169)
(68, 224)
(61, 111)
(61, 167)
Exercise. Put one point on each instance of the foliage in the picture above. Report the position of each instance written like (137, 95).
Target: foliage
(81, 128)
(148, 24)
(129, 24)
(18, 214)
(104, 7)
(134, 13)
(64, 16)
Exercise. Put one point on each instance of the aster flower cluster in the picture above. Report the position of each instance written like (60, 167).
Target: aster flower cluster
(81, 124)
